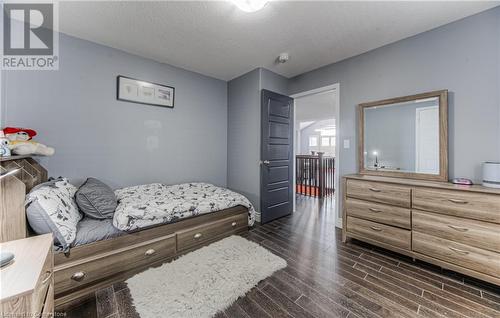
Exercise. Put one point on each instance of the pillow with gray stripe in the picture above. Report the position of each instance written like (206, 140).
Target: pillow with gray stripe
(96, 199)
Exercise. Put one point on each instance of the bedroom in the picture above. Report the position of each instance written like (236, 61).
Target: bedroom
(217, 68)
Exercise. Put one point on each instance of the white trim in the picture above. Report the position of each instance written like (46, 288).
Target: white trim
(257, 216)
(417, 135)
(335, 88)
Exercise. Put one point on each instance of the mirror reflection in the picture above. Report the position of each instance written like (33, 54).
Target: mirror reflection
(403, 137)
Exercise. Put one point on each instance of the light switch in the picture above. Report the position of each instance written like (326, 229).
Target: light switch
(347, 144)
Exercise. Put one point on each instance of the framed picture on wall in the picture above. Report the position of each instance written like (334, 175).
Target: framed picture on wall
(142, 92)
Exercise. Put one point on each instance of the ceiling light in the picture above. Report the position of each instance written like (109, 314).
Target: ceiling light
(250, 5)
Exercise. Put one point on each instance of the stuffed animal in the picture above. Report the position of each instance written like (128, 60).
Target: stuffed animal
(4, 145)
(21, 143)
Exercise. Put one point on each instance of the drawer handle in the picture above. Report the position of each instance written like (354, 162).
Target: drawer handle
(457, 201)
(48, 276)
(375, 210)
(233, 224)
(375, 190)
(150, 252)
(458, 228)
(78, 276)
(456, 250)
(376, 228)
(197, 235)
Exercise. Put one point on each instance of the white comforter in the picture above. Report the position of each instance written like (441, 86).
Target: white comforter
(156, 203)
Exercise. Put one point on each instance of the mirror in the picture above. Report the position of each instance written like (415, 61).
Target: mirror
(405, 137)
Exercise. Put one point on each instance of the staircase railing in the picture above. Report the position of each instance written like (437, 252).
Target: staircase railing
(315, 175)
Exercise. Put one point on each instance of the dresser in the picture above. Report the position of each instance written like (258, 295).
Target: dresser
(454, 227)
(27, 288)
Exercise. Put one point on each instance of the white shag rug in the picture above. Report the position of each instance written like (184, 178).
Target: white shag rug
(203, 282)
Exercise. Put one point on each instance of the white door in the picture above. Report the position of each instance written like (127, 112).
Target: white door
(427, 140)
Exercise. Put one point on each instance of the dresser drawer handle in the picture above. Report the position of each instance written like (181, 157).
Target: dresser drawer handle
(457, 201)
(375, 190)
(375, 210)
(150, 252)
(78, 276)
(458, 228)
(376, 228)
(456, 250)
(197, 235)
(233, 224)
(48, 275)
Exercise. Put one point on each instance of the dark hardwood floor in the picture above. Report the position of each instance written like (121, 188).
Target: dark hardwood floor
(326, 278)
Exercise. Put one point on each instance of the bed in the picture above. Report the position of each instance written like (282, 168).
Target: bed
(108, 251)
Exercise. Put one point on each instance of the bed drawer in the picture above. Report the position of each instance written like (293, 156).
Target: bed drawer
(379, 232)
(379, 192)
(475, 233)
(385, 214)
(194, 236)
(478, 206)
(474, 258)
(98, 267)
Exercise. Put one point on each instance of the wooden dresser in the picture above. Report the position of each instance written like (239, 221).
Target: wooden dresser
(455, 227)
(27, 288)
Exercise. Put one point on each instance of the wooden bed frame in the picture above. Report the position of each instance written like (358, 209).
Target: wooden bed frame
(87, 268)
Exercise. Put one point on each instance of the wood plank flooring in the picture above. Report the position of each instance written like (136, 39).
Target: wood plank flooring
(325, 278)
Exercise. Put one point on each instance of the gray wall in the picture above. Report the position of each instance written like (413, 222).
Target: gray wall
(243, 147)
(463, 57)
(243, 140)
(76, 111)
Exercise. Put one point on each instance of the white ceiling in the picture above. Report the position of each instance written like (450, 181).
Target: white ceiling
(216, 39)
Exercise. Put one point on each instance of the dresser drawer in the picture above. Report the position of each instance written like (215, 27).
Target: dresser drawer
(192, 237)
(379, 192)
(81, 272)
(475, 233)
(483, 207)
(386, 214)
(470, 257)
(379, 232)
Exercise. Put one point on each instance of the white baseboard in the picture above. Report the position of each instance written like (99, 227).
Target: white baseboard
(257, 216)
(338, 223)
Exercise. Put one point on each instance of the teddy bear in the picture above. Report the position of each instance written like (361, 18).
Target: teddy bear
(4, 145)
(20, 142)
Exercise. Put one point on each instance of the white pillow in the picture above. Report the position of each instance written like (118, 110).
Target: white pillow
(51, 207)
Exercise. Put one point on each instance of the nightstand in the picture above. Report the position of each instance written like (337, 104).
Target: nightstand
(27, 288)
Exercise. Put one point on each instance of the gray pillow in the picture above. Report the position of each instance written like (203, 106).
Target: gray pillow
(96, 200)
(51, 208)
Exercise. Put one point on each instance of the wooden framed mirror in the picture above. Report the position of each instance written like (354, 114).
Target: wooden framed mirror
(405, 137)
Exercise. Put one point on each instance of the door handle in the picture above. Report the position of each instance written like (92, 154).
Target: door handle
(265, 162)
(457, 201)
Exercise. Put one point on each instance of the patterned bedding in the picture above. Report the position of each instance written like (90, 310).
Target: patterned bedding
(151, 204)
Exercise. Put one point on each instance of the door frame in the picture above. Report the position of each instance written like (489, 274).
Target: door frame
(329, 88)
(417, 135)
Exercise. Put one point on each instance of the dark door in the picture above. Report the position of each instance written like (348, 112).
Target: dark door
(276, 193)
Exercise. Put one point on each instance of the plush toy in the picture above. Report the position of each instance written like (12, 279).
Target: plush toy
(4, 145)
(21, 143)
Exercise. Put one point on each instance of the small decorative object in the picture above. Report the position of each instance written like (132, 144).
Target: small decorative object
(491, 174)
(20, 142)
(462, 181)
(136, 91)
(4, 145)
(5, 258)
